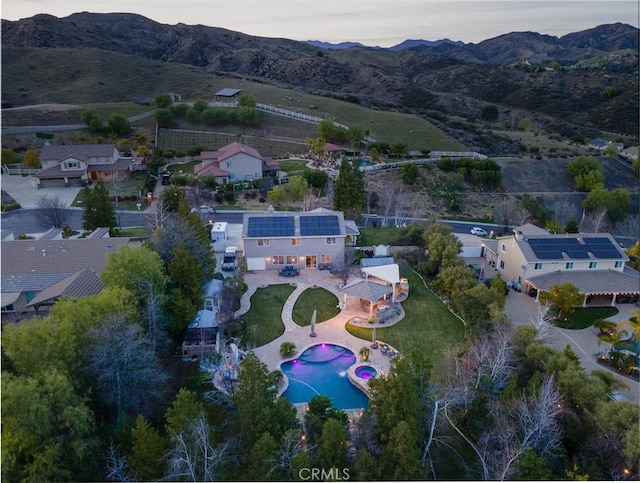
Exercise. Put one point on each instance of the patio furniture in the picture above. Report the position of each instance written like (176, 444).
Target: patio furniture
(289, 271)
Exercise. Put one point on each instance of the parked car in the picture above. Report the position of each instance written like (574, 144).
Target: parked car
(206, 209)
(478, 231)
(230, 260)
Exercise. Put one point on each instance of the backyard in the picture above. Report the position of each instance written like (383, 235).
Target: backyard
(312, 299)
(428, 325)
(263, 322)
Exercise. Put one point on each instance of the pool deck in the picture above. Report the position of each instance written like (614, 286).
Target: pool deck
(331, 331)
(518, 309)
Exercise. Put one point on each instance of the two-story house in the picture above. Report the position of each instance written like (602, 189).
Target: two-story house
(593, 262)
(68, 165)
(312, 239)
(234, 163)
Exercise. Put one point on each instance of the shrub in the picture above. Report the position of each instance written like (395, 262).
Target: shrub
(287, 349)
(229, 196)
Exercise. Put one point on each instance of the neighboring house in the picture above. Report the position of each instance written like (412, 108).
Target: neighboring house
(35, 273)
(312, 239)
(630, 153)
(599, 144)
(202, 338)
(593, 262)
(68, 165)
(235, 163)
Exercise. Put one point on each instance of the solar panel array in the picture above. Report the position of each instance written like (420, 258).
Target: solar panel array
(319, 225)
(553, 248)
(269, 226)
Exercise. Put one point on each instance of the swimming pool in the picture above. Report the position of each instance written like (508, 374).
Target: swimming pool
(322, 369)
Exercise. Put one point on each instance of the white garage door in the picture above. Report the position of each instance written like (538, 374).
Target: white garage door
(256, 263)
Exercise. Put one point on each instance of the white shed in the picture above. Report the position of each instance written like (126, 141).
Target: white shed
(219, 231)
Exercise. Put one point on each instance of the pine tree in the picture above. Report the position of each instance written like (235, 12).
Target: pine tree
(97, 209)
(349, 191)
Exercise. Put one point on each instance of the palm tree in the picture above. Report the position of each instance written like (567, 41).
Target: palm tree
(629, 330)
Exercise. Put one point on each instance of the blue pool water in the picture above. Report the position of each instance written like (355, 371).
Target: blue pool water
(633, 344)
(322, 369)
(365, 372)
(362, 163)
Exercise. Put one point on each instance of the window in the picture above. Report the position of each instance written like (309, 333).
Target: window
(618, 264)
(9, 308)
(296, 242)
(232, 176)
(228, 164)
(263, 242)
(569, 265)
(503, 248)
(278, 259)
(325, 258)
(331, 240)
(502, 264)
(72, 164)
(537, 266)
(292, 260)
(593, 264)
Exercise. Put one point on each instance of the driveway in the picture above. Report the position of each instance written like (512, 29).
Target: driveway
(23, 190)
(584, 342)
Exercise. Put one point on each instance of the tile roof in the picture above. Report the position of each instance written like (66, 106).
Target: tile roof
(56, 171)
(590, 281)
(37, 264)
(230, 150)
(83, 283)
(367, 290)
(80, 151)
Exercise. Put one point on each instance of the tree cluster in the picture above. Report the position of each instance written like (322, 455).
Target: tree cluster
(484, 174)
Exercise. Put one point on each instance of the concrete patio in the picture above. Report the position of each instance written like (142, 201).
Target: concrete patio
(330, 331)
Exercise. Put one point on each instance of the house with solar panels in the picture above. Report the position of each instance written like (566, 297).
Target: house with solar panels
(312, 239)
(593, 262)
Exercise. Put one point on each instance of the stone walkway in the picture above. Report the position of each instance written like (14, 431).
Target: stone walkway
(330, 331)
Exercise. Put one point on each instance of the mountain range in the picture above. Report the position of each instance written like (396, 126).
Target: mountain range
(401, 46)
(562, 77)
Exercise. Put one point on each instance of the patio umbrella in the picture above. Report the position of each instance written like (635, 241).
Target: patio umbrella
(373, 338)
(313, 323)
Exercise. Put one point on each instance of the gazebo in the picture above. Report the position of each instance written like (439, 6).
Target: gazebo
(367, 290)
(386, 273)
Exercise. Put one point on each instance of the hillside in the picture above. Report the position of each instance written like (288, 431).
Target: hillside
(76, 56)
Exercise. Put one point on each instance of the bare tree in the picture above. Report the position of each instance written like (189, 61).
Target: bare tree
(630, 228)
(291, 445)
(157, 215)
(564, 212)
(540, 321)
(520, 425)
(344, 267)
(521, 216)
(503, 212)
(596, 221)
(126, 369)
(193, 456)
(116, 465)
(51, 212)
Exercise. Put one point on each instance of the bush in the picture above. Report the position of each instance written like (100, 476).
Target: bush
(229, 196)
(287, 349)
(219, 197)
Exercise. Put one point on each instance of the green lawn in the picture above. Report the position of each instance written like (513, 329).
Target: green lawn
(428, 324)
(584, 317)
(263, 322)
(377, 236)
(293, 166)
(138, 232)
(186, 168)
(319, 299)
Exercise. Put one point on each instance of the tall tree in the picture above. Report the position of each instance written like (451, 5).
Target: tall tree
(147, 460)
(97, 210)
(332, 445)
(48, 430)
(349, 189)
(31, 159)
(127, 372)
(563, 299)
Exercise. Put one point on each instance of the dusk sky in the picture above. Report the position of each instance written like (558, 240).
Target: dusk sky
(370, 22)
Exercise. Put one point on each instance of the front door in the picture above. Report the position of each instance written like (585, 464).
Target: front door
(311, 261)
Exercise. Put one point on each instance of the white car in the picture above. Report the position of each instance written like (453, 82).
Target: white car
(478, 231)
(206, 209)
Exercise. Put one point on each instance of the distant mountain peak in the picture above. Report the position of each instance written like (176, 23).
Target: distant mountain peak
(407, 44)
